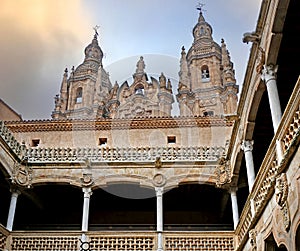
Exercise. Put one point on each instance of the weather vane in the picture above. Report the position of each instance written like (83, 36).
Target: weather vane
(96, 30)
(200, 7)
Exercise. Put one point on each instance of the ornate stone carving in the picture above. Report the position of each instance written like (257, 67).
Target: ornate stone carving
(22, 175)
(261, 60)
(252, 239)
(158, 163)
(159, 180)
(86, 180)
(223, 172)
(281, 194)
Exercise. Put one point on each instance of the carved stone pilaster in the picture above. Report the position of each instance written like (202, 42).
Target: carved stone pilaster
(281, 194)
(22, 175)
(252, 239)
(223, 172)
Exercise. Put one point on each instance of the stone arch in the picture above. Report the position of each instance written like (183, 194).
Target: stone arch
(271, 245)
(79, 95)
(189, 206)
(49, 206)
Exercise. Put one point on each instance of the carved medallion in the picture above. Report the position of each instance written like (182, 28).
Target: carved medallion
(159, 180)
(86, 180)
(22, 175)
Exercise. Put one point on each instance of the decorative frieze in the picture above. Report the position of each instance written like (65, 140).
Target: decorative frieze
(118, 124)
(116, 154)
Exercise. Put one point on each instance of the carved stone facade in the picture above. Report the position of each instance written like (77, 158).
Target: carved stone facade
(207, 85)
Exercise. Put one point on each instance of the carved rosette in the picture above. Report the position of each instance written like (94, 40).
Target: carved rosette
(159, 180)
(86, 180)
(281, 194)
(22, 175)
(223, 172)
(252, 239)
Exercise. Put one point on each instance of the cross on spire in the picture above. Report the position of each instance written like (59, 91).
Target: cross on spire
(200, 7)
(96, 30)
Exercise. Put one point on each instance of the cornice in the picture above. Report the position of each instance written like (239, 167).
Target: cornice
(117, 124)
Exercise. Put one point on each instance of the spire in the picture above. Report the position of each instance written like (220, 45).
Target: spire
(93, 50)
(202, 29)
(228, 71)
(183, 73)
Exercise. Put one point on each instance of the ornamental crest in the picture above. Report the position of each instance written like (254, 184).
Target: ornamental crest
(223, 172)
(22, 175)
(281, 194)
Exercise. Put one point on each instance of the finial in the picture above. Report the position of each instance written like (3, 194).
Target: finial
(222, 40)
(96, 30)
(66, 70)
(182, 48)
(200, 7)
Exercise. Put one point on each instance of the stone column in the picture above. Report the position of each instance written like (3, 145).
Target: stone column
(85, 214)
(12, 208)
(247, 147)
(269, 76)
(159, 217)
(234, 205)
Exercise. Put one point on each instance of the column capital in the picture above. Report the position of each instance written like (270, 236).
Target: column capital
(233, 189)
(269, 72)
(159, 191)
(87, 192)
(247, 145)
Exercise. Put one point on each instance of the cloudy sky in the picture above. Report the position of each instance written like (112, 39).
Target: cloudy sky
(40, 38)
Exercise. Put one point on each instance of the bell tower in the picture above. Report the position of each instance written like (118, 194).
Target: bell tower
(84, 93)
(207, 84)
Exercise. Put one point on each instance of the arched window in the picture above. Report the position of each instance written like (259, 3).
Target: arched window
(205, 73)
(270, 245)
(298, 239)
(79, 95)
(201, 31)
(139, 89)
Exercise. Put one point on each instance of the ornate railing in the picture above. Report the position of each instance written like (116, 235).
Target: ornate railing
(136, 154)
(10, 140)
(263, 189)
(3, 237)
(213, 241)
(31, 241)
(122, 241)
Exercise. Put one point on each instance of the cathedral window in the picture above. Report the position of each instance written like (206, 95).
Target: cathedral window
(139, 89)
(35, 142)
(208, 113)
(171, 139)
(79, 95)
(205, 73)
(102, 141)
(201, 31)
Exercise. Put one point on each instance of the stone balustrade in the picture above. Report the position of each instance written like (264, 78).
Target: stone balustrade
(125, 154)
(111, 241)
(3, 237)
(10, 140)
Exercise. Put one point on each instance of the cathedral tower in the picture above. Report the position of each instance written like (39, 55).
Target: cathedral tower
(84, 93)
(207, 84)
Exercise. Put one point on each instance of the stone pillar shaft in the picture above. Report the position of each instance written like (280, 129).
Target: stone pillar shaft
(159, 217)
(268, 75)
(12, 209)
(86, 204)
(247, 147)
(234, 205)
